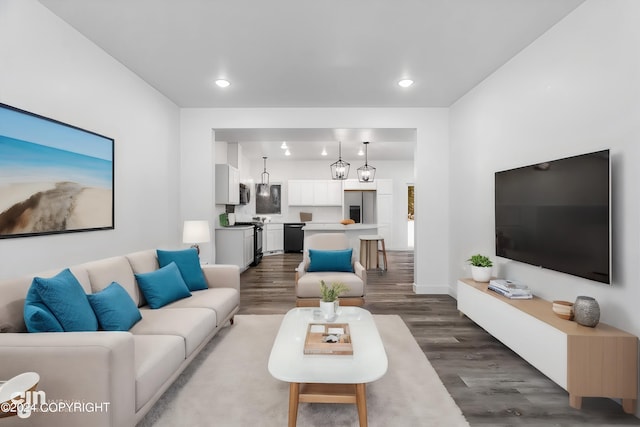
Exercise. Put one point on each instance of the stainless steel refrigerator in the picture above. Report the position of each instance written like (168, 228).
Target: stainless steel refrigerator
(360, 206)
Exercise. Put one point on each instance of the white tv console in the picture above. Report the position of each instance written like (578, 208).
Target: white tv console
(587, 362)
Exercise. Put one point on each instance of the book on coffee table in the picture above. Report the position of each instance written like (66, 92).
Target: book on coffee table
(328, 338)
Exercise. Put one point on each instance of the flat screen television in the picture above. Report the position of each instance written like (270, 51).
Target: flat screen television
(557, 215)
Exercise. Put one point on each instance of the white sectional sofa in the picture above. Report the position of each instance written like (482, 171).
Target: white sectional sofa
(125, 372)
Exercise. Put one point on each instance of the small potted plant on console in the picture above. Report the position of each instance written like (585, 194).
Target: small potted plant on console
(329, 297)
(480, 268)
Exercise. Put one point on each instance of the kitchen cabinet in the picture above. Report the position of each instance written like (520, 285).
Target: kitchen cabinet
(334, 193)
(234, 245)
(274, 237)
(315, 192)
(384, 209)
(227, 185)
(354, 184)
(384, 214)
(300, 193)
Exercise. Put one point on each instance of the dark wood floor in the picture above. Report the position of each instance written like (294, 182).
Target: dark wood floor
(492, 385)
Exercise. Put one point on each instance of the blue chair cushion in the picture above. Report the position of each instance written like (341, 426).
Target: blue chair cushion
(337, 260)
(188, 263)
(65, 298)
(114, 308)
(163, 286)
(37, 316)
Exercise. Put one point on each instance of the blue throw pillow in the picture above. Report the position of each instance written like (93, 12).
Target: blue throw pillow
(37, 316)
(188, 263)
(163, 286)
(114, 308)
(65, 297)
(339, 260)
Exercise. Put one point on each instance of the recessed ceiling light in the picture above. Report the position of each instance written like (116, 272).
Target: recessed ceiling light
(284, 145)
(324, 152)
(222, 83)
(287, 153)
(405, 82)
(360, 152)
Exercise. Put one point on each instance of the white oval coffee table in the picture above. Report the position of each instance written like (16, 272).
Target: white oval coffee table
(326, 378)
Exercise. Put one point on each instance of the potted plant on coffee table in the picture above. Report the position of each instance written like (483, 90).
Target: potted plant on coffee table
(480, 268)
(329, 297)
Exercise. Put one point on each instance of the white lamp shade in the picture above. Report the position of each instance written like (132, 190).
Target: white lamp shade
(196, 232)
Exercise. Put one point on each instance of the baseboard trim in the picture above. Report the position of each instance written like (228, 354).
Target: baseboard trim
(432, 289)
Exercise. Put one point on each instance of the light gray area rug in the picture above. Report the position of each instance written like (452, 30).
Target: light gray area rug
(228, 384)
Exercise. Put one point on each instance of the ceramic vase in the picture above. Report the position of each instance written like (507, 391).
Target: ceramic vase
(586, 311)
(328, 309)
(481, 274)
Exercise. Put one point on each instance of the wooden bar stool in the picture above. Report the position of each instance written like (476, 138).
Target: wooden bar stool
(371, 246)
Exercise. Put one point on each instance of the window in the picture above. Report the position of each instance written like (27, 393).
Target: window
(270, 204)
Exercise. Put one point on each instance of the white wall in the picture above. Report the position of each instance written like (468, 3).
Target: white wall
(430, 166)
(574, 90)
(50, 69)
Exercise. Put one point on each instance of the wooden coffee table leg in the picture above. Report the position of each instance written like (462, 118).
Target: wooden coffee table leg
(294, 390)
(361, 401)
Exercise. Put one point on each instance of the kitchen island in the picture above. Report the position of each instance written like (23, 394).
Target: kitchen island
(351, 231)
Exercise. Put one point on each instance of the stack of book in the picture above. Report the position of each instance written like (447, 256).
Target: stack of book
(510, 289)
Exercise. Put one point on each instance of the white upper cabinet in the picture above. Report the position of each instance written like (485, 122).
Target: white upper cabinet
(320, 192)
(300, 193)
(334, 196)
(315, 192)
(354, 184)
(227, 185)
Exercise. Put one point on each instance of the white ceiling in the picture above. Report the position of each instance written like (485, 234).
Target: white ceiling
(304, 53)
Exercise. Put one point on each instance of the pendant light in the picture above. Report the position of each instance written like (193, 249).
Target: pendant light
(340, 168)
(263, 187)
(366, 173)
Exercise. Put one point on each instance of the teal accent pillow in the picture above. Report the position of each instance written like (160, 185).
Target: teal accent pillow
(65, 298)
(163, 286)
(114, 308)
(188, 263)
(37, 316)
(339, 260)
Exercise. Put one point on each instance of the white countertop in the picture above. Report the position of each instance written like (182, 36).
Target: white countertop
(338, 227)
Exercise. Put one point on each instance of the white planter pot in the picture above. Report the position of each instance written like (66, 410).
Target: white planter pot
(328, 309)
(481, 274)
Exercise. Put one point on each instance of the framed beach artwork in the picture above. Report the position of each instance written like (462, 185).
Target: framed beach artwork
(54, 177)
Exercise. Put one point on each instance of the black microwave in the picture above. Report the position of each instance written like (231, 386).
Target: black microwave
(245, 194)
